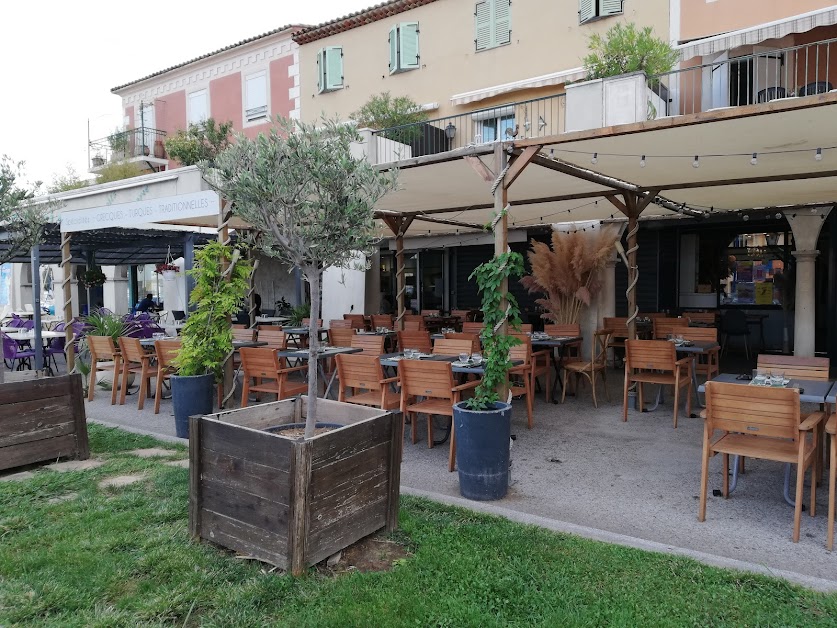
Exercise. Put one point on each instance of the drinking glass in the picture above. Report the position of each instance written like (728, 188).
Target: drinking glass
(463, 357)
(778, 378)
(679, 339)
(669, 337)
(476, 358)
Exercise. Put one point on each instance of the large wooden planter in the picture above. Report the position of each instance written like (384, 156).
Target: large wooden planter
(293, 503)
(42, 419)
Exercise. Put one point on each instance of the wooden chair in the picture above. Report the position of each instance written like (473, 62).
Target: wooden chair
(240, 326)
(275, 338)
(411, 318)
(831, 430)
(341, 336)
(472, 327)
(459, 335)
(413, 325)
(525, 328)
(758, 422)
(415, 340)
(382, 320)
(619, 326)
(307, 321)
(706, 318)
(428, 388)
(450, 347)
(464, 315)
(368, 344)
(166, 351)
(653, 315)
(708, 364)
(262, 363)
(521, 381)
(104, 356)
(572, 352)
(597, 363)
(664, 326)
(655, 362)
(341, 323)
(358, 372)
(135, 360)
(539, 364)
(243, 333)
(358, 321)
(430, 312)
(796, 367)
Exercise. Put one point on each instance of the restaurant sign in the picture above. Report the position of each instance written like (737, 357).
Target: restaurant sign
(166, 209)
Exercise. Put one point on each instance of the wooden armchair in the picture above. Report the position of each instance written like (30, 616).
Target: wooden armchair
(261, 364)
(358, 321)
(429, 388)
(472, 327)
(137, 361)
(412, 325)
(341, 336)
(274, 337)
(708, 364)
(619, 326)
(451, 347)
(462, 314)
(655, 362)
(664, 326)
(358, 372)
(539, 364)
(382, 320)
(414, 318)
(430, 312)
(572, 352)
(521, 380)
(758, 422)
(369, 345)
(104, 356)
(597, 364)
(461, 335)
(342, 323)
(167, 351)
(796, 367)
(418, 339)
(705, 318)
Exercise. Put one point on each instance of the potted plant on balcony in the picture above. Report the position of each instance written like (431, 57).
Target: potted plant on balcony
(221, 276)
(97, 160)
(118, 142)
(482, 424)
(168, 270)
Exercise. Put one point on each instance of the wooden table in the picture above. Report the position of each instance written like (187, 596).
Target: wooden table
(555, 342)
(272, 320)
(435, 323)
(330, 352)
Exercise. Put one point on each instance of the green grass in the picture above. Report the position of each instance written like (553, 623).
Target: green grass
(122, 557)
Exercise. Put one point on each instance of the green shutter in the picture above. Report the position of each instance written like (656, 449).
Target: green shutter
(320, 69)
(409, 46)
(610, 7)
(333, 67)
(393, 49)
(483, 32)
(502, 22)
(586, 10)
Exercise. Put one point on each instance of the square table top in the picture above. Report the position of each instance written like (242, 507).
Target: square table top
(329, 352)
(812, 391)
(392, 359)
(297, 331)
(698, 346)
(555, 341)
(29, 334)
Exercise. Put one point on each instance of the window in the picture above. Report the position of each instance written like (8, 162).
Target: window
(255, 97)
(198, 107)
(589, 10)
(403, 47)
(754, 269)
(329, 69)
(492, 20)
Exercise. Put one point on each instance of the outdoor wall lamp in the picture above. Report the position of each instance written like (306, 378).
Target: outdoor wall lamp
(450, 131)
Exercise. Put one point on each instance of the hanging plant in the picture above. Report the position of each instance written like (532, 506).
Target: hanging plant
(92, 277)
(168, 271)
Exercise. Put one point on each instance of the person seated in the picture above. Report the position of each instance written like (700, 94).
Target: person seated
(146, 304)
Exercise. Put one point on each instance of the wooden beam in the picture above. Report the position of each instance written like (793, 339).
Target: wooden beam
(584, 174)
(519, 164)
(454, 223)
(796, 176)
(480, 168)
(436, 158)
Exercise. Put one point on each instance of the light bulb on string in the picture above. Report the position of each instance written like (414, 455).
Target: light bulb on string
(778, 215)
(746, 217)
(696, 162)
(642, 162)
(595, 159)
(818, 155)
(754, 160)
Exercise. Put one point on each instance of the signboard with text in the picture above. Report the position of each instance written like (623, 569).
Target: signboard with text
(164, 209)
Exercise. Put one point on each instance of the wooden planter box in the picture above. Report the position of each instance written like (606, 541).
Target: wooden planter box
(293, 503)
(42, 419)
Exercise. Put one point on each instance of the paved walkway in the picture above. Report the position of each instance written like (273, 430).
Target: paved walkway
(584, 471)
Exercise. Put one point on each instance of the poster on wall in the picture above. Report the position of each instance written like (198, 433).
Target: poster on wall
(764, 293)
(745, 272)
(5, 284)
(744, 292)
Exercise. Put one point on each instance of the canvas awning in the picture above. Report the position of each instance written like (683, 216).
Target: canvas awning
(756, 34)
(545, 80)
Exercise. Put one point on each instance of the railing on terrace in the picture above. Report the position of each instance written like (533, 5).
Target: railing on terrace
(540, 117)
(139, 142)
(760, 77)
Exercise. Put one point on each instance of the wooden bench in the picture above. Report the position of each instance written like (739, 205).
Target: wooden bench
(655, 362)
(42, 419)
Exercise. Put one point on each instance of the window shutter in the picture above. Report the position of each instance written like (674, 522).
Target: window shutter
(334, 67)
(409, 49)
(320, 70)
(393, 49)
(502, 22)
(610, 7)
(586, 10)
(483, 31)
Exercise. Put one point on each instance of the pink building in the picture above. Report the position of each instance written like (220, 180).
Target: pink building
(247, 83)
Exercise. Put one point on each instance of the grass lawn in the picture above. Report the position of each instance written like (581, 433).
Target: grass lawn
(122, 557)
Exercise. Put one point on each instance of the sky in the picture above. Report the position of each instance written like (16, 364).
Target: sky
(61, 58)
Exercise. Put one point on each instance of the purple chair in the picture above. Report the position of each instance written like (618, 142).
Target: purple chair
(55, 347)
(16, 321)
(28, 325)
(13, 353)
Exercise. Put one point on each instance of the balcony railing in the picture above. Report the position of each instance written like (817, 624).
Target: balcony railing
(139, 142)
(540, 117)
(761, 77)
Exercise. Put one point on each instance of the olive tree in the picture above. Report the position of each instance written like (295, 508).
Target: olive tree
(22, 221)
(310, 198)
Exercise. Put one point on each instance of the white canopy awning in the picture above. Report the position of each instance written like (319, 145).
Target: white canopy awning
(756, 34)
(545, 80)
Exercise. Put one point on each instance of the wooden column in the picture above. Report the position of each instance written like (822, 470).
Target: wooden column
(399, 225)
(67, 289)
(501, 243)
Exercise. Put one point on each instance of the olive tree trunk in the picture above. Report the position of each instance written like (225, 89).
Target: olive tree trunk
(313, 275)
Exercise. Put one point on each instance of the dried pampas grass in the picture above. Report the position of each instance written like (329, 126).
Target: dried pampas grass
(568, 274)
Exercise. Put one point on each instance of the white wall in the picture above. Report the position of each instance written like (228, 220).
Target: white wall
(344, 292)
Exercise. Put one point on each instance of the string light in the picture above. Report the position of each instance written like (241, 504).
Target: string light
(745, 217)
(818, 156)
(696, 162)
(778, 215)
(595, 159)
(642, 162)
(754, 160)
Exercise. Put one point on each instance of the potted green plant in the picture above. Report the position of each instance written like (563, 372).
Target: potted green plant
(221, 275)
(92, 277)
(118, 142)
(482, 424)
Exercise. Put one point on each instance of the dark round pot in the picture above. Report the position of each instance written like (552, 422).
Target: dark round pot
(191, 395)
(290, 426)
(482, 450)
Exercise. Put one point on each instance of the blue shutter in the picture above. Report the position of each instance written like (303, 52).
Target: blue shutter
(393, 49)
(586, 10)
(502, 22)
(333, 67)
(610, 7)
(483, 31)
(408, 58)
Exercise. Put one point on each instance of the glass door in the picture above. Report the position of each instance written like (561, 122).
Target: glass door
(433, 287)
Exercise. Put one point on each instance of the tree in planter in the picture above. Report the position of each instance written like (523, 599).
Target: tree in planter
(22, 220)
(312, 201)
(200, 142)
(221, 275)
(382, 111)
(625, 49)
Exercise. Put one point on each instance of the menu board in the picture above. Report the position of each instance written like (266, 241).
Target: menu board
(744, 272)
(744, 292)
(764, 293)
